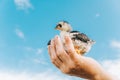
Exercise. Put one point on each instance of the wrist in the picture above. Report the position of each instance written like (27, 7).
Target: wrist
(102, 76)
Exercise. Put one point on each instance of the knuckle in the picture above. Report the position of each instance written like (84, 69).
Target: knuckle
(53, 60)
(70, 70)
(60, 53)
(66, 71)
(71, 51)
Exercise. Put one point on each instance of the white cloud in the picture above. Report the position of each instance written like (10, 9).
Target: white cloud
(97, 14)
(38, 61)
(23, 4)
(19, 33)
(115, 44)
(30, 76)
(34, 50)
(39, 51)
(29, 49)
(112, 66)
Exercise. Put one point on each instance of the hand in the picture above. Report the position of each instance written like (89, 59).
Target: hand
(69, 62)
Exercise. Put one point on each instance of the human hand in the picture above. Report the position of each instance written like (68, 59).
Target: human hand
(71, 63)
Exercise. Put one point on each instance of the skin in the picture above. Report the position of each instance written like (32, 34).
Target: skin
(71, 63)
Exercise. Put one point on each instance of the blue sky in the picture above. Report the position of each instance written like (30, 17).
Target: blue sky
(27, 25)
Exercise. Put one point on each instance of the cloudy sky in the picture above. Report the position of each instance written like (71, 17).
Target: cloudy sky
(27, 25)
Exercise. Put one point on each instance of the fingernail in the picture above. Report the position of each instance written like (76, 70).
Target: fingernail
(56, 37)
(52, 42)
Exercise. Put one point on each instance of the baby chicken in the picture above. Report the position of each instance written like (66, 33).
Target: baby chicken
(81, 42)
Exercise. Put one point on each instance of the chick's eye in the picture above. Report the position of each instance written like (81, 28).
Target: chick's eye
(60, 25)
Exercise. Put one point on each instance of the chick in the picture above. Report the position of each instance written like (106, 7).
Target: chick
(81, 42)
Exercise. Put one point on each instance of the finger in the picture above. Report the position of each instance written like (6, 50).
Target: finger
(49, 50)
(52, 49)
(70, 47)
(55, 54)
(60, 50)
(55, 60)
